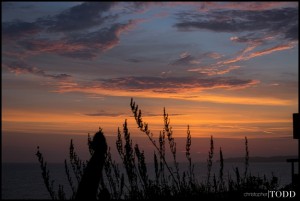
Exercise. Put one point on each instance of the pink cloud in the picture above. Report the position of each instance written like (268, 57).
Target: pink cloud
(173, 90)
(276, 48)
(84, 46)
(246, 54)
(254, 6)
(214, 70)
(23, 68)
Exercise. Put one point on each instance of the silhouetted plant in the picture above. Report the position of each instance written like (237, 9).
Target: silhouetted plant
(188, 156)
(70, 180)
(210, 162)
(116, 181)
(221, 180)
(144, 128)
(171, 140)
(76, 164)
(133, 180)
(45, 174)
(246, 157)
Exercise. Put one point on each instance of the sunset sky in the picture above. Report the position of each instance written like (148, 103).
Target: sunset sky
(226, 69)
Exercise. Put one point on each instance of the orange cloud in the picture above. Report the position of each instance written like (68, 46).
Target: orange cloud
(23, 68)
(245, 54)
(190, 94)
(83, 46)
(214, 70)
(270, 50)
(253, 6)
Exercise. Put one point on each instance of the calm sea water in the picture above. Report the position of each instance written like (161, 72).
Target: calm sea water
(24, 181)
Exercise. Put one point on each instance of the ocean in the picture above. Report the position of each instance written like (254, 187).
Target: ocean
(24, 180)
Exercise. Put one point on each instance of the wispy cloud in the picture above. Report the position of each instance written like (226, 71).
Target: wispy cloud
(18, 29)
(188, 94)
(118, 114)
(83, 16)
(282, 21)
(171, 88)
(207, 6)
(214, 70)
(133, 60)
(247, 53)
(92, 44)
(271, 50)
(77, 18)
(83, 31)
(225, 65)
(264, 28)
(245, 6)
(199, 63)
(106, 114)
(23, 68)
(80, 46)
(174, 84)
(186, 59)
(168, 85)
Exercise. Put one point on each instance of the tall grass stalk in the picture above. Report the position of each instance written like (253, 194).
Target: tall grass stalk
(210, 162)
(135, 181)
(144, 128)
(246, 157)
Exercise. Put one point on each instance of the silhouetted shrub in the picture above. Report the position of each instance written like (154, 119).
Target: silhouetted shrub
(132, 181)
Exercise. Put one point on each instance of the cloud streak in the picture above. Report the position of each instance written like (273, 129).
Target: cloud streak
(83, 32)
(257, 25)
(122, 87)
(187, 95)
(245, 6)
(23, 68)
(282, 21)
(80, 46)
(226, 65)
(18, 29)
(83, 16)
(174, 84)
(111, 114)
(208, 6)
(246, 54)
(185, 60)
(214, 70)
(103, 113)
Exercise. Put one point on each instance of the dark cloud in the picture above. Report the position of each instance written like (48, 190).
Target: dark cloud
(277, 21)
(132, 60)
(214, 69)
(8, 5)
(80, 46)
(205, 6)
(184, 60)
(23, 68)
(103, 38)
(80, 17)
(173, 84)
(251, 38)
(18, 29)
(84, 44)
(104, 113)
(91, 44)
(187, 59)
(77, 18)
(292, 32)
(16, 5)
